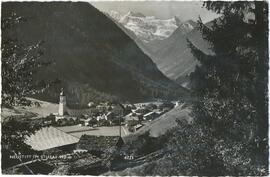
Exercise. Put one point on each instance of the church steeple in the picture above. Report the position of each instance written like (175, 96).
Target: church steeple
(62, 93)
(62, 103)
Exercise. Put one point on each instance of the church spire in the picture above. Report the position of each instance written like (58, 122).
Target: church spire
(62, 93)
(62, 103)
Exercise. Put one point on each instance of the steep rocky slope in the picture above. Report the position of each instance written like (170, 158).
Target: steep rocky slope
(173, 56)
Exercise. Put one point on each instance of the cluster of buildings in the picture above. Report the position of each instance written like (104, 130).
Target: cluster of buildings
(102, 114)
(142, 114)
(134, 116)
(51, 140)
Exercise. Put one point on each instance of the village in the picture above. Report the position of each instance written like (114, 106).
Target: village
(130, 117)
(92, 135)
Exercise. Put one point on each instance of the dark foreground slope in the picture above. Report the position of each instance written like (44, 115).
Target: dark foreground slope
(90, 55)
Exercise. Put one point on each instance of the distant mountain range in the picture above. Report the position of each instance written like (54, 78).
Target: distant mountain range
(147, 28)
(91, 56)
(171, 53)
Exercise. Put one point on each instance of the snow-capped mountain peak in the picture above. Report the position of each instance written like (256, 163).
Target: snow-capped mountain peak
(147, 28)
(135, 14)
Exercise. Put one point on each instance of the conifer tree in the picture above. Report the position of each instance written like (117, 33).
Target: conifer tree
(229, 133)
(19, 64)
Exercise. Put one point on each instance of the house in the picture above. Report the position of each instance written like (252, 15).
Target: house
(137, 127)
(110, 116)
(134, 126)
(50, 139)
(91, 121)
(86, 122)
(166, 110)
(100, 144)
(91, 105)
(159, 112)
(150, 116)
(129, 106)
(177, 103)
(141, 111)
(131, 116)
(151, 106)
(104, 106)
(102, 117)
(166, 105)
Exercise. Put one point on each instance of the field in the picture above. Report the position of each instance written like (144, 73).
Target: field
(45, 109)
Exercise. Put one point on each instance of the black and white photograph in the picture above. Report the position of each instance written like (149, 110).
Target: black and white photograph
(134, 88)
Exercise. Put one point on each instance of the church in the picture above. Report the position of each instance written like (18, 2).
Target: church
(64, 112)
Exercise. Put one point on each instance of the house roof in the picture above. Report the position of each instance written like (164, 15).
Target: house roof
(50, 137)
(148, 114)
(138, 126)
(110, 114)
(78, 131)
(131, 117)
(87, 120)
(78, 112)
(99, 143)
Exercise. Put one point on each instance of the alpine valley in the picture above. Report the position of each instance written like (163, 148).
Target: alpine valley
(164, 41)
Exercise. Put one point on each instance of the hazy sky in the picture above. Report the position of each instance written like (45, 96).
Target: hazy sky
(161, 9)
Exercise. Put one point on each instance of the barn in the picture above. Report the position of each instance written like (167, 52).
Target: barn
(52, 140)
(100, 144)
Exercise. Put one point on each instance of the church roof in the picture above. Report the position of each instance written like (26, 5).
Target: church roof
(50, 137)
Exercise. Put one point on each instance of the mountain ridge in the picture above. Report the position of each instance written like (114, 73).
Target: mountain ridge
(89, 55)
(148, 28)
